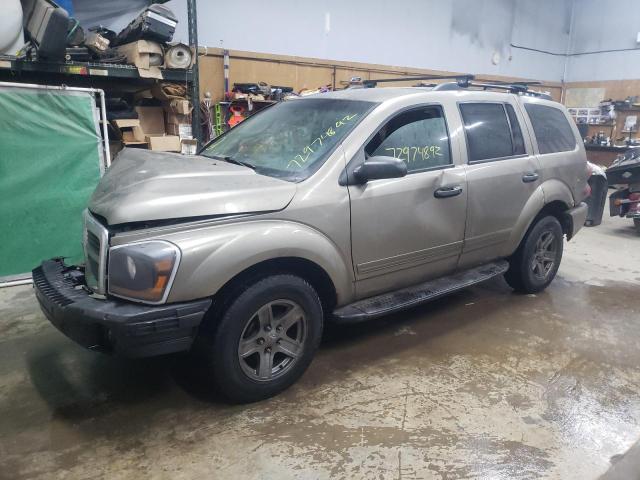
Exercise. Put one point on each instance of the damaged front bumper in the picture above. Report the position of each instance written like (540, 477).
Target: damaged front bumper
(113, 326)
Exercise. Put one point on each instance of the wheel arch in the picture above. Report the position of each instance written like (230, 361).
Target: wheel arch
(538, 206)
(304, 268)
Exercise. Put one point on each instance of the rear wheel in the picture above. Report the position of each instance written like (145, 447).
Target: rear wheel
(536, 262)
(636, 222)
(265, 339)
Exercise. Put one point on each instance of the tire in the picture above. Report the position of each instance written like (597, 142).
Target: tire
(636, 223)
(536, 262)
(249, 334)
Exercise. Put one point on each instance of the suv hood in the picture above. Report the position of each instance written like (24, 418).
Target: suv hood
(144, 186)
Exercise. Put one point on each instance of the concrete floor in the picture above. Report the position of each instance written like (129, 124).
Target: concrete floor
(483, 384)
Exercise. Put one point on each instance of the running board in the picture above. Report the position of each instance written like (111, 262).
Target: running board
(386, 303)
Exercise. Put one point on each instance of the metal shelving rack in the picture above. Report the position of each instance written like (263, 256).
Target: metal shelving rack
(108, 75)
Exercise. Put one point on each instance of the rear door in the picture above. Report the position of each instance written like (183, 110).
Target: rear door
(560, 151)
(502, 174)
(409, 229)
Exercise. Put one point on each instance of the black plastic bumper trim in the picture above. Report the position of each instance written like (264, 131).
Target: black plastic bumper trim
(114, 326)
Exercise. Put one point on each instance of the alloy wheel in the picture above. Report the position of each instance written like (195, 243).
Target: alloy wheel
(272, 340)
(544, 255)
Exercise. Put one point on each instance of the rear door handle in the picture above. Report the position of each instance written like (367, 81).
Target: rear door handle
(446, 192)
(530, 177)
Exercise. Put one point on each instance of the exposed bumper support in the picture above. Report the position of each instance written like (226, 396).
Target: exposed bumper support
(114, 326)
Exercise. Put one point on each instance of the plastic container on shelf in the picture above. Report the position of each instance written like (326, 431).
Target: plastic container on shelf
(11, 34)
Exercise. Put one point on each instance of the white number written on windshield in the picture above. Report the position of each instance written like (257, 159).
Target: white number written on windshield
(300, 159)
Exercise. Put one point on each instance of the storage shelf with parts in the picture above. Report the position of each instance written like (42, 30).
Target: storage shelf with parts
(15, 66)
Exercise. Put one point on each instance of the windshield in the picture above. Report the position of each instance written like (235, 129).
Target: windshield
(290, 140)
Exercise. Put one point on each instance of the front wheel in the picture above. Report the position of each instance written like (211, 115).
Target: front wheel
(536, 262)
(636, 222)
(265, 339)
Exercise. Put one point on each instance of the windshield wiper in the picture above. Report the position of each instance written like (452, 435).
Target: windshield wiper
(228, 159)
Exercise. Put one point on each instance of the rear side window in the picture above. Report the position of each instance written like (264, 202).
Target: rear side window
(418, 137)
(489, 133)
(552, 130)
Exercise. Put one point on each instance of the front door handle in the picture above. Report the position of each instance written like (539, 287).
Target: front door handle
(446, 192)
(530, 177)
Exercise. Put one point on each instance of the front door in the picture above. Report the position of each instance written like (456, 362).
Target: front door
(410, 229)
(502, 175)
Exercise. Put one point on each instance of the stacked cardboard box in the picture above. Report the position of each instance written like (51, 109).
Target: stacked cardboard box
(147, 131)
(178, 118)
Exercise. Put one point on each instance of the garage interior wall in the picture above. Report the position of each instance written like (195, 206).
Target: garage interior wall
(415, 36)
(453, 35)
(616, 67)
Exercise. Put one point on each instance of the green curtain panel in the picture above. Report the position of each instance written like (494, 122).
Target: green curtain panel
(49, 166)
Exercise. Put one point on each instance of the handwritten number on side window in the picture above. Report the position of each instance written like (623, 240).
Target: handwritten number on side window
(409, 154)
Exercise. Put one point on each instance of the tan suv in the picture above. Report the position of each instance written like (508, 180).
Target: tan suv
(337, 207)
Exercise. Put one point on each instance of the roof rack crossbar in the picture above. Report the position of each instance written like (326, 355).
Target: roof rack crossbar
(516, 87)
(462, 80)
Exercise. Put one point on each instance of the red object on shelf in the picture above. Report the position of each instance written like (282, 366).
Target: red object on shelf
(237, 116)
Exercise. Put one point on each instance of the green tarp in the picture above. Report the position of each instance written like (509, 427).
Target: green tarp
(49, 165)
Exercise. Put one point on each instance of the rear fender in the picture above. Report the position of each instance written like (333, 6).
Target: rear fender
(558, 191)
(529, 212)
(548, 192)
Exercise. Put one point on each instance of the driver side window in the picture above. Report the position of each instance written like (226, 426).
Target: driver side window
(419, 137)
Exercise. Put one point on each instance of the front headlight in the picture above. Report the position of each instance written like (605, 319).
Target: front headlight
(143, 271)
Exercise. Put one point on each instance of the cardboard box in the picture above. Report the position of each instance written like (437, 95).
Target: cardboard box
(164, 143)
(139, 54)
(176, 118)
(183, 130)
(179, 106)
(130, 131)
(151, 120)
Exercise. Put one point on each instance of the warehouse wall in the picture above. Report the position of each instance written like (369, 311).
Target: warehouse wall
(451, 35)
(310, 73)
(601, 26)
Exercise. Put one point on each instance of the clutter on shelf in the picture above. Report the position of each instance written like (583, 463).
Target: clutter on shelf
(158, 119)
(243, 100)
(611, 123)
(54, 35)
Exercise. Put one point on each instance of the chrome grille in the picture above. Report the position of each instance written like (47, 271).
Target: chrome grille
(96, 242)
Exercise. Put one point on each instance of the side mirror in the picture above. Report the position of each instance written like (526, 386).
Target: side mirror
(376, 168)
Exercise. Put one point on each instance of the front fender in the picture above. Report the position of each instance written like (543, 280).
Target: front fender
(211, 256)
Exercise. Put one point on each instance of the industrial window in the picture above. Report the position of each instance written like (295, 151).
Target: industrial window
(419, 137)
(552, 130)
(488, 132)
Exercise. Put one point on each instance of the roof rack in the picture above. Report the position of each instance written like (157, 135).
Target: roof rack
(464, 81)
(461, 80)
(521, 88)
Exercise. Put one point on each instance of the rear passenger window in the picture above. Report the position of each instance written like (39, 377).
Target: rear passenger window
(489, 132)
(552, 130)
(516, 133)
(419, 137)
